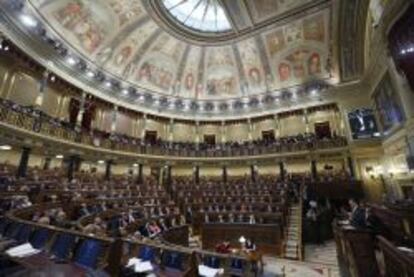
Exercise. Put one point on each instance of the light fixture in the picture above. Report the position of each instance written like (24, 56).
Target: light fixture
(71, 60)
(28, 20)
(125, 92)
(101, 162)
(5, 147)
(108, 84)
(53, 78)
(135, 165)
(242, 240)
(90, 74)
(59, 156)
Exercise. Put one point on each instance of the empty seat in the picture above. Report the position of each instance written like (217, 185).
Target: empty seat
(88, 253)
(39, 238)
(62, 245)
(212, 261)
(146, 253)
(172, 259)
(236, 267)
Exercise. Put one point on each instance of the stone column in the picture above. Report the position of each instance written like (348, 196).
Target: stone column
(196, 170)
(42, 88)
(24, 162)
(113, 120)
(144, 126)
(306, 120)
(197, 135)
(171, 131)
(46, 165)
(250, 129)
(277, 125)
(314, 169)
(108, 169)
(351, 166)
(224, 174)
(282, 170)
(223, 132)
(73, 166)
(79, 119)
(140, 178)
(253, 172)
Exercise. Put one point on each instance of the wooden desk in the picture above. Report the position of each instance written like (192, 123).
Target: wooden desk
(267, 237)
(397, 262)
(356, 254)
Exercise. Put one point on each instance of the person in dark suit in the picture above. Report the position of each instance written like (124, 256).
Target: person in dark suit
(357, 214)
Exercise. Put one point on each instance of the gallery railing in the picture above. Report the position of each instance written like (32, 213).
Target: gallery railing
(38, 122)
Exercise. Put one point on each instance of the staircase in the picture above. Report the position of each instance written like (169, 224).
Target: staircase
(293, 234)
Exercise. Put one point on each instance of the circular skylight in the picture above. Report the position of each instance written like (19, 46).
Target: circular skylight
(201, 15)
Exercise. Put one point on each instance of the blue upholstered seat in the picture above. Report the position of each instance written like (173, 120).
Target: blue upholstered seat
(88, 253)
(146, 253)
(39, 238)
(62, 246)
(173, 260)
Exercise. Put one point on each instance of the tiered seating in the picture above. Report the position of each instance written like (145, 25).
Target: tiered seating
(62, 230)
(241, 207)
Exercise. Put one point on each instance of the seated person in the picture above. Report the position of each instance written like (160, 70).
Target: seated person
(153, 229)
(224, 247)
(96, 227)
(249, 246)
(357, 214)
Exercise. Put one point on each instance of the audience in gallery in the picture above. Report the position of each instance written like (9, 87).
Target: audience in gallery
(296, 142)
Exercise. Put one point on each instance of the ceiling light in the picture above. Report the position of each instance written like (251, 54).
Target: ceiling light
(108, 84)
(90, 74)
(101, 162)
(5, 147)
(53, 78)
(125, 92)
(135, 165)
(28, 20)
(59, 156)
(71, 60)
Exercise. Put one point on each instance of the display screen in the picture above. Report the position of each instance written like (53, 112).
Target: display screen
(363, 125)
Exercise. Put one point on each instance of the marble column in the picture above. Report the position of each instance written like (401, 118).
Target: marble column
(46, 165)
(253, 172)
(196, 174)
(42, 88)
(24, 162)
(73, 166)
(108, 169)
(144, 126)
(306, 120)
(282, 170)
(351, 166)
(79, 118)
(140, 178)
(113, 119)
(250, 129)
(224, 174)
(314, 170)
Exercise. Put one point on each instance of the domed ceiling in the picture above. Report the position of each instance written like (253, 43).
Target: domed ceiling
(194, 50)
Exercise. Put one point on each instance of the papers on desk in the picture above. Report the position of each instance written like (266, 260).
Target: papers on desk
(21, 251)
(209, 271)
(406, 249)
(139, 266)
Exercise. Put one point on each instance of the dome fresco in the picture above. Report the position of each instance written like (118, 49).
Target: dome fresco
(122, 38)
